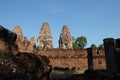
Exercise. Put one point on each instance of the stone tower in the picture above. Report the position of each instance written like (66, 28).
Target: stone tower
(32, 41)
(24, 45)
(45, 38)
(65, 40)
(18, 31)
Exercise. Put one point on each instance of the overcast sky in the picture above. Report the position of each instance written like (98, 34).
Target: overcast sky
(94, 19)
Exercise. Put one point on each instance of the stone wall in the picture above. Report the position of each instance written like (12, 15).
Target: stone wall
(99, 61)
(71, 58)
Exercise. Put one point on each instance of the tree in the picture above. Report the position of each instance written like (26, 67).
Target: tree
(93, 46)
(75, 46)
(81, 42)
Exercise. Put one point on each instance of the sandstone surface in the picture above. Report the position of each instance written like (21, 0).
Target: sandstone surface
(18, 31)
(75, 58)
(45, 38)
(24, 45)
(65, 40)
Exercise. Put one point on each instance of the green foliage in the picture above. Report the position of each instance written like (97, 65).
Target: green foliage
(80, 42)
(93, 46)
(75, 46)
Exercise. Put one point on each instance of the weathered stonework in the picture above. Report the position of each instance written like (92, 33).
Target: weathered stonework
(45, 38)
(75, 58)
(7, 40)
(65, 40)
(24, 45)
(32, 45)
(19, 32)
(32, 41)
(15, 65)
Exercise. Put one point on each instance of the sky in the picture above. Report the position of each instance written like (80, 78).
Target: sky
(94, 19)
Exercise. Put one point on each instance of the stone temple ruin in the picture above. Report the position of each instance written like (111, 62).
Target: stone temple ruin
(17, 65)
(45, 38)
(65, 40)
(24, 45)
(44, 41)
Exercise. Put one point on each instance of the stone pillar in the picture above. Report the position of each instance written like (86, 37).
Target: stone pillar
(118, 43)
(117, 54)
(109, 45)
(90, 59)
